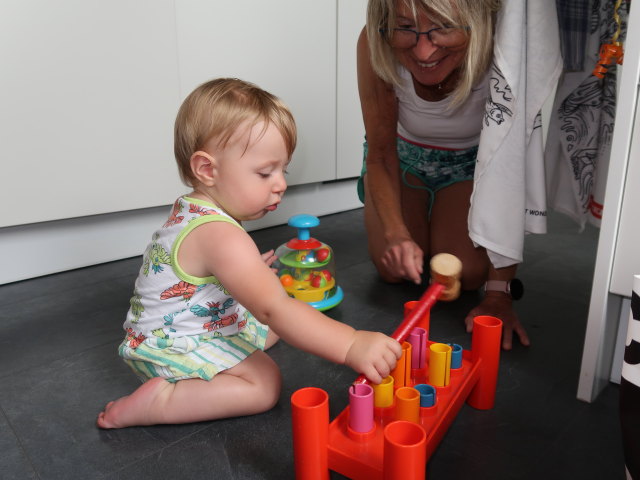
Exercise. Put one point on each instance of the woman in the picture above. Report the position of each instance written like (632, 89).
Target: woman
(422, 77)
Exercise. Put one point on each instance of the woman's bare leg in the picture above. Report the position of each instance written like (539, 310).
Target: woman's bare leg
(415, 208)
(252, 386)
(450, 233)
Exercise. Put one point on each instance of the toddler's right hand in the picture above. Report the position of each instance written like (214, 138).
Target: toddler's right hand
(373, 354)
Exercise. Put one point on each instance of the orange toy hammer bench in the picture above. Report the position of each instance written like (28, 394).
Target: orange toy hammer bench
(390, 430)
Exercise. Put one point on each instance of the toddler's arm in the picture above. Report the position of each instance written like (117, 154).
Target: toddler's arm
(229, 253)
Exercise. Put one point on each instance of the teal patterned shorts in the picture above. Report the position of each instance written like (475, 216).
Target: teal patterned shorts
(434, 167)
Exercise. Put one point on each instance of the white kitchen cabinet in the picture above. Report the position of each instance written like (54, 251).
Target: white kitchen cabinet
(286, 47)
(90, 90)
(350, 127)
(89, 93)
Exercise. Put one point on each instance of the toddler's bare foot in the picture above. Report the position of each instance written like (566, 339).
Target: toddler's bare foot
(133, 409)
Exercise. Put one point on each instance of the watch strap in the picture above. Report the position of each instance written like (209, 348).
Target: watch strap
(514, 288)
(497, 286)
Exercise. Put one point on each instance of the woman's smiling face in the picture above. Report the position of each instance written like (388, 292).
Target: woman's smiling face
(429, 64)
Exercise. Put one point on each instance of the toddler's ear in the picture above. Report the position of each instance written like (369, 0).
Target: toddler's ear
(204, 168)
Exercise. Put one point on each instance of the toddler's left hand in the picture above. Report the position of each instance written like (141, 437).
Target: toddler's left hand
(270, 257)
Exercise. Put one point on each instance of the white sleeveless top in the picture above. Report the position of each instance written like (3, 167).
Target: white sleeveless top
(434, 123)
(169, 303)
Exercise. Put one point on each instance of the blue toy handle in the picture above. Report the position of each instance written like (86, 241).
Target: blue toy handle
(303, 223)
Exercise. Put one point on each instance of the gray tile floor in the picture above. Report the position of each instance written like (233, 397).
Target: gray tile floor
(60, 366)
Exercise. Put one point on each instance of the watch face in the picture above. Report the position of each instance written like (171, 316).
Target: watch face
(516, 289)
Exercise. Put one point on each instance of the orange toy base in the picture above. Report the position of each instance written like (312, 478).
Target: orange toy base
(404, 435)
(360, 456)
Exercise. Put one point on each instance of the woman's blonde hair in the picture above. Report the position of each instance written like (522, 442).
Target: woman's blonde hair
(479, 15)
(216, 109)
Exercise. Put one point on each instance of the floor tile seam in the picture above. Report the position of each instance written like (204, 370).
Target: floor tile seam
(181, 439)
(71, 293)
(555, 292)
(23, 450)
(164, 447)
(132, 463)
(558, 442)
(498, 451)
(67, 276)
(344, 267)
(114, 342)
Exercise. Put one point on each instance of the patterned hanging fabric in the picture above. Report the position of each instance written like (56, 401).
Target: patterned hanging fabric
(581, 127)
(573, 20)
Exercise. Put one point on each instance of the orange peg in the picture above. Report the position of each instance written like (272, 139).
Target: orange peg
(485, 349)
(405, 455)
(310, 421)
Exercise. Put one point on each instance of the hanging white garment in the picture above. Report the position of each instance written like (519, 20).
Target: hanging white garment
(509, 197)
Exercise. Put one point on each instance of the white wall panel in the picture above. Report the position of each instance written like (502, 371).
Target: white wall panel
(286, 47)
(350, 127)
(88, 94)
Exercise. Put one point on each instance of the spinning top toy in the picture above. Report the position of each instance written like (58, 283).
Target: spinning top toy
(306, 267)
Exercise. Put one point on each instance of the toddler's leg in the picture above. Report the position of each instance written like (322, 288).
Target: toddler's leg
(252, 386)
(272, 339)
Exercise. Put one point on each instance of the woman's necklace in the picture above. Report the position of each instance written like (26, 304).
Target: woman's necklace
(435, 93)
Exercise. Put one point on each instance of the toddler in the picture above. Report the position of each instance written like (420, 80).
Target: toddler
(206, 304)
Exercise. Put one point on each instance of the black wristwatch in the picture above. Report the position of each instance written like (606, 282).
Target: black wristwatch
(514, 288)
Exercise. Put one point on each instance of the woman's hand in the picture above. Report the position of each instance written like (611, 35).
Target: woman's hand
(498, 304)
(403, 258)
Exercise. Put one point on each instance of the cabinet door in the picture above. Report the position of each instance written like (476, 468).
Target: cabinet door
(350, 131)
(88, 99)
(287, 47)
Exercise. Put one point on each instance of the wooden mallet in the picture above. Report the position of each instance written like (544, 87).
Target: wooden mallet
(446, 270)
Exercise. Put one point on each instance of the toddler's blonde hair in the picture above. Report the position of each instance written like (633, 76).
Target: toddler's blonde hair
(216, 109)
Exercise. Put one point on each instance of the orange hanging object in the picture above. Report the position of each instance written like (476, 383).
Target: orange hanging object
(610, 53)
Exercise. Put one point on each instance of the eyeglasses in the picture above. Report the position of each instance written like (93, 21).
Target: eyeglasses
(439, 36)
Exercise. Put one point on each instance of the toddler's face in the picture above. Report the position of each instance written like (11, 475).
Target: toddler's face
(251, 182)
